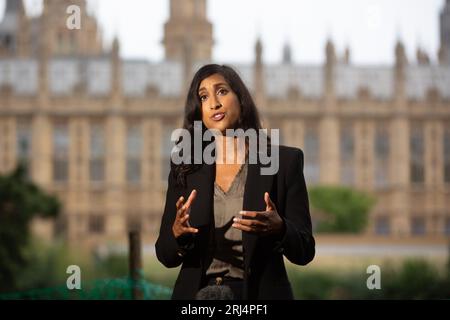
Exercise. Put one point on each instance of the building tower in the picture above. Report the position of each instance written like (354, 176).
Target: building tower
(188, 32)
(14, 30)
(66, 42)
(287, 54)
(444, 51)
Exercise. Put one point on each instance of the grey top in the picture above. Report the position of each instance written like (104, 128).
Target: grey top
(228, 257)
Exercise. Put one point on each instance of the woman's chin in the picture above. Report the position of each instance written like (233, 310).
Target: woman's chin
(222, 127)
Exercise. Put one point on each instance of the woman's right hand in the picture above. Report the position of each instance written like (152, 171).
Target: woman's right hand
(181, 224)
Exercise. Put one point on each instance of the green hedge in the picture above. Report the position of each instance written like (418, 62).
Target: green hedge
(414, 279)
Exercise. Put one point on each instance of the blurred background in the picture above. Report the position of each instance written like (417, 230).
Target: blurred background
(363, 87)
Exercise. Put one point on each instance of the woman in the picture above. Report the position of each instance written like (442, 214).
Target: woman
(228, 225)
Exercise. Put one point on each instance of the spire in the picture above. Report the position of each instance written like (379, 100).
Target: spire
(329, 73)
(258, 51)
(347, 55)
(400, 74)
(400, 53)
(258, 76)
(330, 52)
(287, 53)
(115, 48)
(116, 79)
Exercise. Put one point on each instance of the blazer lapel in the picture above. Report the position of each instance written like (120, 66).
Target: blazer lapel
(203, 207)
(255, 187)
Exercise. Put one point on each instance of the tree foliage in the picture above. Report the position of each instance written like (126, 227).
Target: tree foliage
(342, 209)
(20, 201)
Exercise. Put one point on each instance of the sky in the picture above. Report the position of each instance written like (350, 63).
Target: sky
(370, 28)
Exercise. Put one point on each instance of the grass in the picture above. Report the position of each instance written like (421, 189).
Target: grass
(326, 277)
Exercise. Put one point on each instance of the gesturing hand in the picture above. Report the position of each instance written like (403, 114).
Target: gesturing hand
(181, 224)
(260, 222)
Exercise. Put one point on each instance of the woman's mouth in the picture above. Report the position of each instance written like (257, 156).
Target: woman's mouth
(218, 116)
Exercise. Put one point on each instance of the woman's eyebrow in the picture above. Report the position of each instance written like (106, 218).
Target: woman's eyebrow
(220, 84)
(215, 86)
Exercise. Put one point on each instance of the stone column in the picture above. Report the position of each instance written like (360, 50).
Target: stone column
(329, 137)
(115, 224)
(364, 154)
(400, 151)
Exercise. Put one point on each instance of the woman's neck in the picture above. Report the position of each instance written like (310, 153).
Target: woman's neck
(230, 150)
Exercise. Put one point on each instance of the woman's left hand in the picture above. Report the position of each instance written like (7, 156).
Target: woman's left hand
(263, 223)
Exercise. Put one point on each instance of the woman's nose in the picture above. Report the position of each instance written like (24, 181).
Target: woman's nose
(215, 104)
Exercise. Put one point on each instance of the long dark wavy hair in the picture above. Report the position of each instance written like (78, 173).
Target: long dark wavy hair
(249, 118)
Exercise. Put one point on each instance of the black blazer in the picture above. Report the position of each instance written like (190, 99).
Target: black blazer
(264, 271)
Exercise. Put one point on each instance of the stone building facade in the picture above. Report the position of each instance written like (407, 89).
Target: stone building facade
(94, 128)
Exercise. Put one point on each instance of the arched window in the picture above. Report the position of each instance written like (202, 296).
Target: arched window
(97, 152)
(134, 153)
(381, 154)
(417, 167)
(347, 154)
(60, 152)
(312, 155)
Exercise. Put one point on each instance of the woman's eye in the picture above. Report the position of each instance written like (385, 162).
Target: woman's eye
(222, 91)
(202, 98)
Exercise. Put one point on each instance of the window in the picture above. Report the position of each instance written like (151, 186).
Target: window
(23, 143)
(72, 43)
(60, 152)
(347, 154)
(97, 153)
(417, 154)
(311, 167)
(382, 225)
(418, 226)
(381, 154)
(134, 153)
(61, 225)
(446, 152)
(96, 224)
(8, 42)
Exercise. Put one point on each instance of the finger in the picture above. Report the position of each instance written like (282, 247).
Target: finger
(248, 214)
(251, 223)
(259, 215)
(191, 198)
(181, 212)
(184, 219)
(242, 227)
(257, 230)
(179, 203)
(189, 230)
(270, 206)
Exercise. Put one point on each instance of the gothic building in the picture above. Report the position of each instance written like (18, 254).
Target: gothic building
(94, 128)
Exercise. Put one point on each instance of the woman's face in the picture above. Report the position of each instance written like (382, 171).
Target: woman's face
(220, 105)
